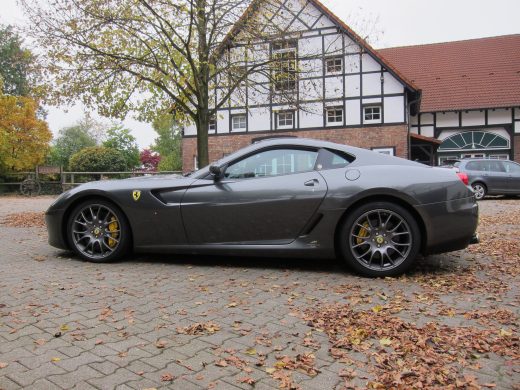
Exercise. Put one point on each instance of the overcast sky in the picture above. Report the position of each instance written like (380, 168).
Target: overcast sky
(403, 22)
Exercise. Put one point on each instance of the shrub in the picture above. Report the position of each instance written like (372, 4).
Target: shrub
(97, 159)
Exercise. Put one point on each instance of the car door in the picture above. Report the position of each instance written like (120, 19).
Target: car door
(513, 176)
(265, 198)
(498, 176)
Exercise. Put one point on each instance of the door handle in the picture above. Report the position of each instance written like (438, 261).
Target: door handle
(312, 182)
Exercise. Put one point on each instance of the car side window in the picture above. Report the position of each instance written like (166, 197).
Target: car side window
(273, 162)
(511, 167)
(475, 166)
(495, 166)
(332, 159)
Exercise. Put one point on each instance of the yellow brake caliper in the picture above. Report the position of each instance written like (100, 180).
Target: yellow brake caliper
(363, 232)
(113, 226)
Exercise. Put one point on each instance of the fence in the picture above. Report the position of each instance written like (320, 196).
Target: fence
(54, 182)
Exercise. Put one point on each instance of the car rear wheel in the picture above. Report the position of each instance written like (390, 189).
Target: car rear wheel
(380, 239)
(480, 190)
(98, 231)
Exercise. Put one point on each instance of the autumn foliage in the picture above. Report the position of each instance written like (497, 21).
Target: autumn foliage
(24, 139)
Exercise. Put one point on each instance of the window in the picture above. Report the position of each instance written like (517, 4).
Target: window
(485, 165)
(212, 124)
(335, 115)
(388, 151)
(284, 65)
(372, 114)
(499, 156)
(238, 122)
(273, 162)
(332, 159)
(511, 167)
(334, 65)
(285, 119)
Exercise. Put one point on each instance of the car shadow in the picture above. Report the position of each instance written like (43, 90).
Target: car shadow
(433, 265)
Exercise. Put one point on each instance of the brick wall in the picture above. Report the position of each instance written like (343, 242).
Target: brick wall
(517, 148)
(367, 137)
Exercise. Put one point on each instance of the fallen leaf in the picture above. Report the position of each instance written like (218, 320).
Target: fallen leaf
(251, 351)
(385, 342)
(64, 327)
(160, 344)
(221, 363)
(55, 359)
(248, 380)
(3, 365)
(167, 377)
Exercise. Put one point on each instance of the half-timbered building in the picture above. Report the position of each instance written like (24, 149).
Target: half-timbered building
(470, 97)
(340, 88)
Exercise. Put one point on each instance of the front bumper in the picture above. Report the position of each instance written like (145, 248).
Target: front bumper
(54, 223)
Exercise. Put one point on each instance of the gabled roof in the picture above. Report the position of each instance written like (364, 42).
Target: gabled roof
(255, 4)
(471, 74)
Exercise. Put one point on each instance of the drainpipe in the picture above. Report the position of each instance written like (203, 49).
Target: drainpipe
(408, 109)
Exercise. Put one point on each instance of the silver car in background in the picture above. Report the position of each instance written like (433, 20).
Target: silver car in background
(491, 177)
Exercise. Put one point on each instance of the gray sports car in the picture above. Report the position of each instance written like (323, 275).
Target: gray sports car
(277, 197)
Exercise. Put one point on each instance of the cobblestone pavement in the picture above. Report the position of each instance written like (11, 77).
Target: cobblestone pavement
(225, 323)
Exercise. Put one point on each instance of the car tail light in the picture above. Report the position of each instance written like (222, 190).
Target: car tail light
(462, 176)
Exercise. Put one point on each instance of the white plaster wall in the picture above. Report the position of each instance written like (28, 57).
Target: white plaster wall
(447, 119)
(258, 119)
(499, 116)
(310, 46)
(427, 131)
(371, 84)
(352, 63)
(517, 113)
(190, 129)
(312, 67)
(223, 121)
(414, 130)
(391, 84)
(352, 85)
(426, 119)
(394, 109)
(351, 46)
(311, 115)
(310, 14)
(517, 127)
(352, 112)
(473, 118)
(311, 89)
(372, 100)
(258, 97)
(333, 44)
(369, 64)
(333, 87)
(414, 120)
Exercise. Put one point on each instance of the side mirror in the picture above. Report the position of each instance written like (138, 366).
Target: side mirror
(216, 171)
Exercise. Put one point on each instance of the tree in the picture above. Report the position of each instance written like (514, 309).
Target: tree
(163, 55)
(16, 63)
(71, 140)
(168, 144)
(150, 160)
(24, 139)
(119, 138)
(97, 159)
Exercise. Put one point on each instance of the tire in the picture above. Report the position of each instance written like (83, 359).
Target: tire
(386, 233)
(480, 190)
(98, 231)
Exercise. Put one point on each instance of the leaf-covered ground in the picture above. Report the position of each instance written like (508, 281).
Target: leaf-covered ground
(223, 323)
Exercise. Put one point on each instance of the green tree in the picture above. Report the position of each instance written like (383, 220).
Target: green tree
(150, 56)
(16, 63)
(72, 139)
(120, 138)
(168, 144)
(97, 159)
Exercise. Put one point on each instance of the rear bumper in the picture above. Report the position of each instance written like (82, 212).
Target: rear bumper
(475, 239)
(54, 223)
(450, 225)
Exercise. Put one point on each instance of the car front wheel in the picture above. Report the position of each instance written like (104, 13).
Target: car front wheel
(380, 239)
(98, 231)
(480, 190)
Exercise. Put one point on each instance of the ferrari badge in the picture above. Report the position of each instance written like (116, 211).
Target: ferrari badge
(136, 194)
